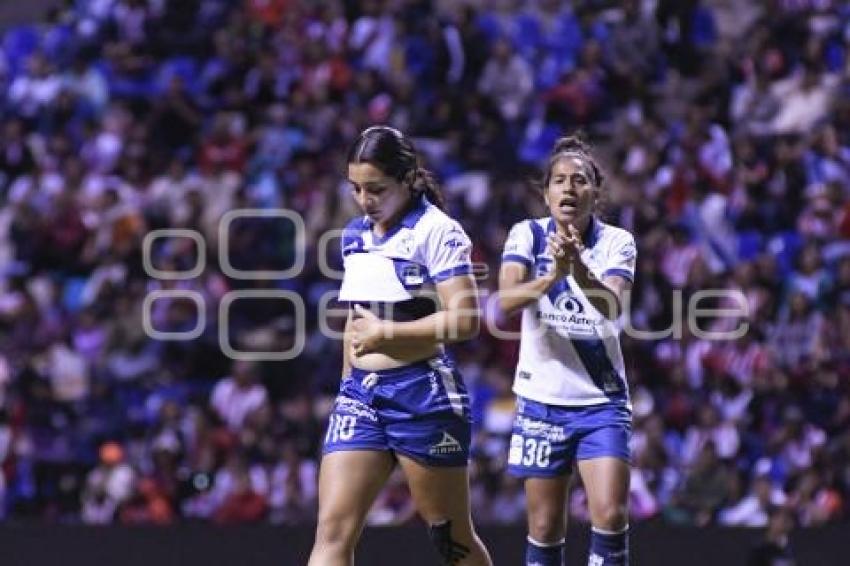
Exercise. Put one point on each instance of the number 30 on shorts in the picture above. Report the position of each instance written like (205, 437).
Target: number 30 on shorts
(340, 427)
(529, 452)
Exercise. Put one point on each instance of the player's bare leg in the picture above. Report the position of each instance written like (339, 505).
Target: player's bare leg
(546, 500)
(606, 481)
(441, 495)
(349, 482)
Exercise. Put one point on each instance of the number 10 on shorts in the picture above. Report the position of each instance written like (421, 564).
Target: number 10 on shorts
(340, 427)
(529, 452)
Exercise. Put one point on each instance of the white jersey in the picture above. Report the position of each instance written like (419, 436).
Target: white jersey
(425, 247)
(569, 353)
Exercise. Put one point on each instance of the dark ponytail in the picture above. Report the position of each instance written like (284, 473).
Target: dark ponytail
(393, 153)
(424, 183)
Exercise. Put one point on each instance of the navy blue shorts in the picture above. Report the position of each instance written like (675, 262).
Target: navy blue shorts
(547, 439)
(420, 411)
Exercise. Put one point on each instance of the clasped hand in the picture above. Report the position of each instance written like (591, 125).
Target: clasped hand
(565, 249)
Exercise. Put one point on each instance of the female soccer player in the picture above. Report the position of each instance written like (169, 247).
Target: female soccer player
(568, 272)
(401, 399)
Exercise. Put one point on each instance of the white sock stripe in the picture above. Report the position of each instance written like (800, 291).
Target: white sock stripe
(609, 533)
(546, 544)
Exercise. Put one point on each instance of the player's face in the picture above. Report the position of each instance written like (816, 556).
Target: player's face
(380, 196)
(570, 194)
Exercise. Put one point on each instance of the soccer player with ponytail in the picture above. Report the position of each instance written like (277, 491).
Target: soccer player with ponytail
(401, 400)
(568, 273)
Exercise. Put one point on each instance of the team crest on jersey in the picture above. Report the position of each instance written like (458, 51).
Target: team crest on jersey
(405, 244)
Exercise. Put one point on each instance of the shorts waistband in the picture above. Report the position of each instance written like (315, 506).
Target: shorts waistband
(410, 370)
(538, 409)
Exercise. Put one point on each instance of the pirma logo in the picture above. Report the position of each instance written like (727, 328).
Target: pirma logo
(447, 445)
(567, 302)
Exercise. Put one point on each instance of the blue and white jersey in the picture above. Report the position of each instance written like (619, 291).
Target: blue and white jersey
(424, 248)
(569, 353)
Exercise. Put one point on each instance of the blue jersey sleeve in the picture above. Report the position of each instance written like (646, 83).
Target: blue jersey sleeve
(519, 245)
(448, 252)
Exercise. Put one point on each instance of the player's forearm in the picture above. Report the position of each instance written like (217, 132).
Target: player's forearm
(443, 326)
(346, 364)
(598, 294)
(346, 349)
(516, 297)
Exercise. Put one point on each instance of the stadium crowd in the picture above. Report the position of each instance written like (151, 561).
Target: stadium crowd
(726, 131)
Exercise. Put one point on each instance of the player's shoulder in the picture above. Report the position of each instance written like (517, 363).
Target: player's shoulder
(355, 226)
(435, 221)
(527, 237)
(613, 235)
(531, 225)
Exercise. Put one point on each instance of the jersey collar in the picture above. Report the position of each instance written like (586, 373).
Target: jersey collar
(409, 220)
(591, 233)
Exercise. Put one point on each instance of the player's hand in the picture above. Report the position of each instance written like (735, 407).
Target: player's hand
(367, 331)
(574, 241)
(559, 255)
(565, 249)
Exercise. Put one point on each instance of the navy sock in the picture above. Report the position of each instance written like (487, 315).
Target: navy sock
(609, 549)
(539, 554)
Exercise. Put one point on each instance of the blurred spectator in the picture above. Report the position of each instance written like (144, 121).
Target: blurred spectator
(235, 399)
(796, 440)
(294, 487)
(754, 509)
(108, 486)
(724, 132)
(507, 81)
(775, 548)
(148, 505)
(796, 335)
(709, 428)
(703, 491)
(394, 505)
(806, 97)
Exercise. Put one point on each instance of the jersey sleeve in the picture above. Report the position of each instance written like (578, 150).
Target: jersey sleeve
(448, 252)
(622, 258)
(518, 246)
(351, 240)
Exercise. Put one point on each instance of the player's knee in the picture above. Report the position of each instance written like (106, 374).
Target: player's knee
(612, 516)
(335, 532)
(546, 526)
